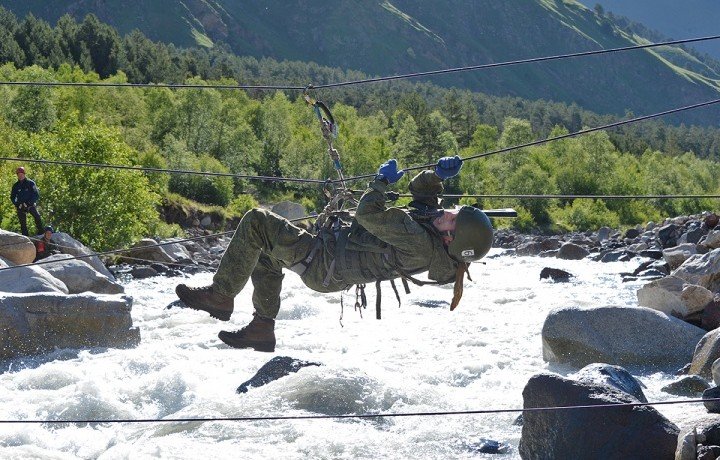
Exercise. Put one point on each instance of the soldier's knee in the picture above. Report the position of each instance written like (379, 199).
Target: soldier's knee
(255, 215)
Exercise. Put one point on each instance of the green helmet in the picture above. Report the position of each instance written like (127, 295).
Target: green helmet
(473, 235)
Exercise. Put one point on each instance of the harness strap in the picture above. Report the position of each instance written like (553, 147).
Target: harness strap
(406, 286)
(378, 314)
(303, 265)
(395, 290)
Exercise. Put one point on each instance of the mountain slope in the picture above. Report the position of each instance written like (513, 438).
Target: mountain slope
(691, 18)
(402, 36)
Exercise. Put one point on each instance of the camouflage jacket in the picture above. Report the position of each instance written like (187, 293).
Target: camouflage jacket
(382, 242)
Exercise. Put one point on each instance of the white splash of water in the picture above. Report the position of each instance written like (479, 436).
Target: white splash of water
(420, 357)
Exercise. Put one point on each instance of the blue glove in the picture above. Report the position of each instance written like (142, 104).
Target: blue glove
(448, 167)
(389, 172)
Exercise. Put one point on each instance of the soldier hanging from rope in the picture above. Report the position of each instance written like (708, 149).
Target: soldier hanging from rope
(380, 244)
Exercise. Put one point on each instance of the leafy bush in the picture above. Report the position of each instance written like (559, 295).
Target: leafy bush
(242, 204)
(587, 215)
(204, 189)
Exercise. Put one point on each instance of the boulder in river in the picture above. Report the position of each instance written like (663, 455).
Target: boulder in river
(289, 210)
(276, 368)
(674, 296)
(625, 336)
(16, 248)
(602, 433)
(702, 269)
(555, 274)
(677, 255)
(69, 245)
(26, 279)
(572, 251)
(706, 353)
(79, 276)
(38, 323)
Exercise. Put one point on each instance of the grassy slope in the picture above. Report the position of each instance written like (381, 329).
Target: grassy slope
(399, 36)
(689, 18)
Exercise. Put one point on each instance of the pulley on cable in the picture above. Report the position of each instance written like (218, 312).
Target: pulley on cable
(339, 197)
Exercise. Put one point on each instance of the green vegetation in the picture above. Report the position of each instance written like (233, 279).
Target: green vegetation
(276, 134)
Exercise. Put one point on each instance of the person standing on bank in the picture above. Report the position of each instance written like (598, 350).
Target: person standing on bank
(25, 196)
(381, 244)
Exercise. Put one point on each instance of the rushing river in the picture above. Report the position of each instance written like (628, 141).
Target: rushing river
(419, 358)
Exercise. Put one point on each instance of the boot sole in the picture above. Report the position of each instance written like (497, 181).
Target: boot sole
(266, 347)
(222, 315)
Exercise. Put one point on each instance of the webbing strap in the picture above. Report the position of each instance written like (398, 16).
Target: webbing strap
(378, 300)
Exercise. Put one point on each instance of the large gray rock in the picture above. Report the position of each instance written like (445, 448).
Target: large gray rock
(625, 336)
(677, 255)
(79, 276)
(146, 250)
(28, 279)
(571, 251)
(69, 245)
(712, 240)
(177, 251)
(17, 249)
(289, 210)
(706, 353)
(702, 269)
(39, 323)
(702, 432)
(613, 376)
(606, 433)
(674, 296)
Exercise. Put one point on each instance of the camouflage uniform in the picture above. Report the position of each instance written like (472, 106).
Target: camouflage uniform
(380, 243)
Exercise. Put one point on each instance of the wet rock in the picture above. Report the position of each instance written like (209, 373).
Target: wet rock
(651, 253)
(706, 352)
(617, 256)
(631, 233)
(489, 446)
(713, 239)
(710, 318)
(651, 274)
(709, 396)
(668, 235)
(677, 255)
(79, 276)
(571, 251)
(276, 368)
(703, 270)
(708, 452)
(711, 220)
(613, 376)
(142, 271)
(16, 248)
(555, 274)
(39, 323)
(592, 433)
(625, 336)
(690, 386)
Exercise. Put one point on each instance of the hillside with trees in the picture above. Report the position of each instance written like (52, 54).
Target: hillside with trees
(387, 38)
(274, 133)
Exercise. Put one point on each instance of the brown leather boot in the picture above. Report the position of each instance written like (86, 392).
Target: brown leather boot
(206, 299)
(259, 335)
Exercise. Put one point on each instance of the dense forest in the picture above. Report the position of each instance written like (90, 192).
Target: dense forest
(276, 134)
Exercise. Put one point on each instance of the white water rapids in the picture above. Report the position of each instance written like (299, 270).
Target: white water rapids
(419, 358)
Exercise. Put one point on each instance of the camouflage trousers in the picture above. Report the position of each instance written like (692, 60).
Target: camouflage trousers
(263, 244)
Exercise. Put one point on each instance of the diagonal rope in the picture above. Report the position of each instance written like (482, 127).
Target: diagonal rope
(568, 197)
(557, 138)
(517, 62)
(366, 80)
(162, 170)
(365, 416)
(120, 251)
